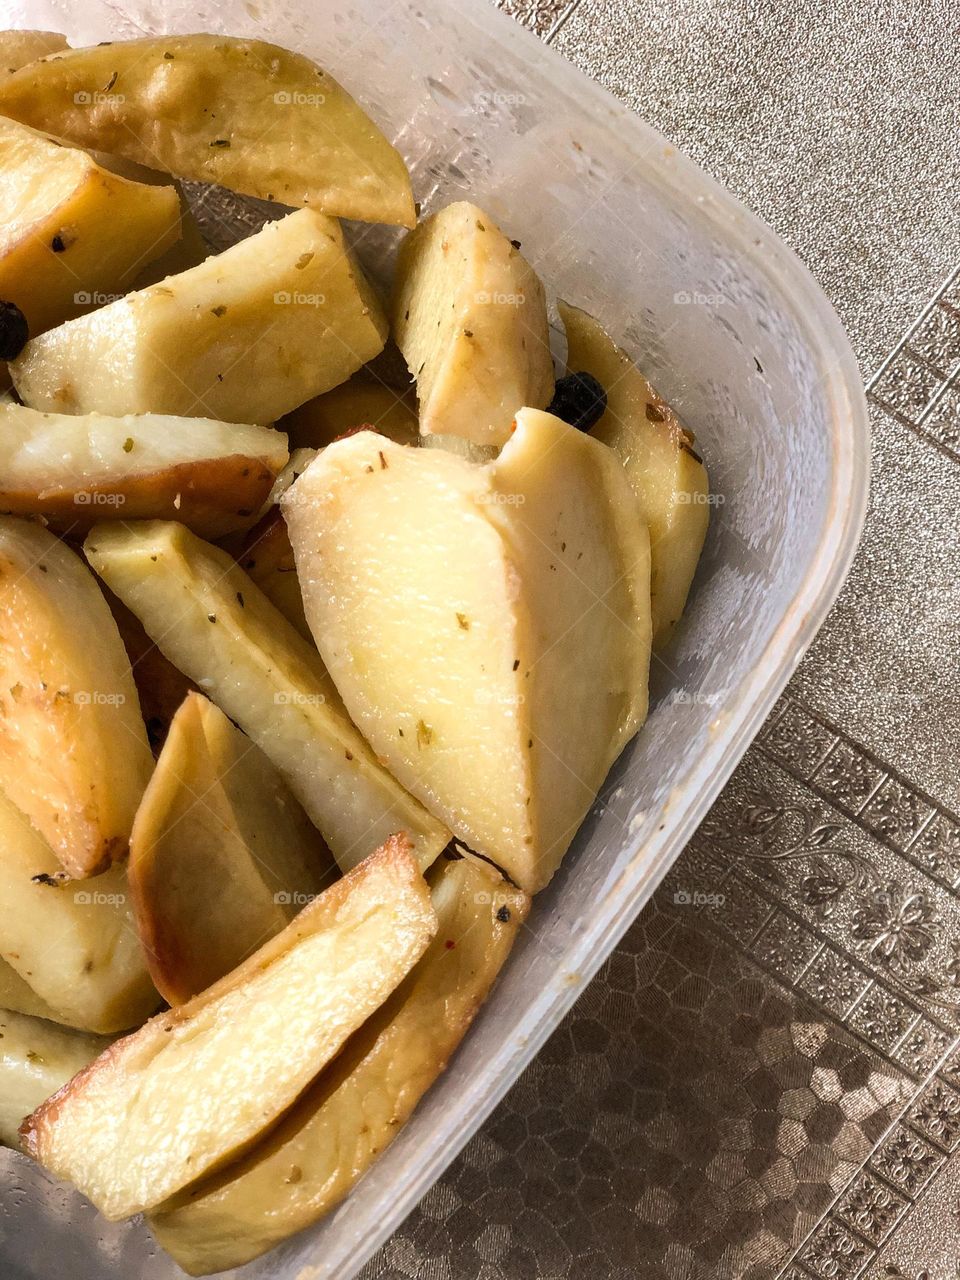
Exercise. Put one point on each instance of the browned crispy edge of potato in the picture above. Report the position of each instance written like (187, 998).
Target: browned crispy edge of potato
(212, 496)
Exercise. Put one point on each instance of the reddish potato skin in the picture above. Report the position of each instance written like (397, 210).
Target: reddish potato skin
(213, 497)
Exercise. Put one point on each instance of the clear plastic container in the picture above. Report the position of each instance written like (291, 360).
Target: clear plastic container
(732, 329)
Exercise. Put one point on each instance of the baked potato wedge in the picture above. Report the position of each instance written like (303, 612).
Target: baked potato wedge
(493, 646)
(245, 336)
(213, 623)
(216, 814)
(72, 233)
(267, 557)
(469, 315)
(660, 459)
(362, 401)
(17, 48)
(73, 748)
(303, 1168)
(36, 1059)
(282, 128)
(77, 469)
(197, 1085)
(74, 942)
(161, 687)
(19, 997)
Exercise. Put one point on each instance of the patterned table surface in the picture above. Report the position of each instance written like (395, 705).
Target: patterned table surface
(769, 1087)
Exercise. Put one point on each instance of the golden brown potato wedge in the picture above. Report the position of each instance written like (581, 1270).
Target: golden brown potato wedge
(73, 748)
(74, 942)
(282, 130)
(17, 48)
(197, 1085)
(213, 623)
(267, 557)
(74, 470)
(72, 233)
(217, 815)
(658, 455)
(362, 401)
(245, 336)
(469, 315)
(36, 1059)
(488, 627)
(304, 1167)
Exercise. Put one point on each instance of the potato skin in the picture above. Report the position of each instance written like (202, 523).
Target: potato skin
(213, 497)
(304, 1167)
(73, 747)
(285, 129)
(196, 1085)
(249, 838)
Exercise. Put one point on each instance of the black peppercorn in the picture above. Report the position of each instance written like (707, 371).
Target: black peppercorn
(13, 331)
(580, 400)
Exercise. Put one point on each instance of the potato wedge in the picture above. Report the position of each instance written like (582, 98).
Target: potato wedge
(36, 1059)
(494, 647)
(17, 48)
(216, 626)
(362, 401)
(161, 687)
(469, 315)
(72, 233)
(658, 455)
(217, 814)
(73, 748)
(189, 251)
(282, 130)
(245, 336)
(19, 997)
(73, 942)
(77, 469)
(304, 1167)
(267, 557)
(196, 1085)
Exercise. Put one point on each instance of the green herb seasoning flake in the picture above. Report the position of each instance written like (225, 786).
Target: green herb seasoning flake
(424, 734)
(128, 445)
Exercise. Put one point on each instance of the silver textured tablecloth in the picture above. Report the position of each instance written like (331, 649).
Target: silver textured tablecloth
(770, 1087)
